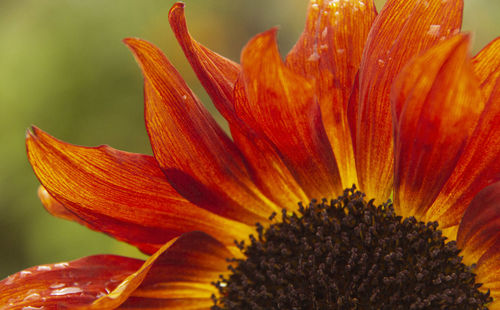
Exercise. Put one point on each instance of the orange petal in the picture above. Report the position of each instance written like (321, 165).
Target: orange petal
(478, 167)
(488, 273)
(57, 209)
(401, 30)
(329, 51)
(197, 157)
(480, 225)
(218, 75)
(122, 194)
(178, 276)
(437, 103)
(487, 67)
(268, 171)
(65, 285)
(282, 105)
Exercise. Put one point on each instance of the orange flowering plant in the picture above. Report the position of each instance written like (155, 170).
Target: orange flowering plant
(268, 217)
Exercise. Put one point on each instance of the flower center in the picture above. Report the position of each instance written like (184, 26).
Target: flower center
(349, 254)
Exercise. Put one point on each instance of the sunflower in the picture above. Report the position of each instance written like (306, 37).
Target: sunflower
(366, 107)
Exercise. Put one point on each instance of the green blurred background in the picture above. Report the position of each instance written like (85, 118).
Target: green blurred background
(63, 68)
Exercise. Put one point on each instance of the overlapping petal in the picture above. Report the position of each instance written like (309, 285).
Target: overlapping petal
(282, 105)
(329, 51)
(478, 167)
(122, 194)
(428, 145)
(218, 75)
(402, 30)
(66, 285)
(197, 157)
(178, 276)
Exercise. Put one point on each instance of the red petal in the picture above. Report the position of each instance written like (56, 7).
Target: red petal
(437, 103)
(401, 30)
(122, 194)
(197, 157)
(478, 167)
(480, 225)
(329, 52)
(65, 285)
(282, 105)
(178, 276)
(218, 75)
(487, 67)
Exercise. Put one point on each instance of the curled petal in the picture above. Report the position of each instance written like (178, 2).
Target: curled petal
(329, 51)
(57, 209)
(122, 194)
(436, 105)
(218, 75)
(282, 105)
(487, 67)
(178, 276)
(66, 285)
(402, 30)
(197, 157)
(480, 225)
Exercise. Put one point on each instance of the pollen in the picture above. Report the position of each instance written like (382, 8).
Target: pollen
(348, 253)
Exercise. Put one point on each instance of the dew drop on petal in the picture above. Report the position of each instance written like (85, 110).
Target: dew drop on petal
(57, 285)
(434, 30)
(314, 56)
(24, 273)
(10, 280)
(43, 268)
(32, 308)
(66, 290)
(33, 296)
(324, 33)
(61, 265)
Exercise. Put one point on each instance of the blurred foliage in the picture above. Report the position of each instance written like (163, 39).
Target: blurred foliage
(64, 68)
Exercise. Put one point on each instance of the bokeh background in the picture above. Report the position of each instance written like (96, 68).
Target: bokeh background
(64, 68)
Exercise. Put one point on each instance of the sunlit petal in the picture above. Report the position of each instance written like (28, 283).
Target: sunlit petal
(218, 76)
(197, 157)
(478, 166)
(122, 194)
(402, 30)
(427, 145)
(329, 51)
(283, 106)
(487, 67)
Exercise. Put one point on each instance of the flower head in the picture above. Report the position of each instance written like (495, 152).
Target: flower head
(391, 102)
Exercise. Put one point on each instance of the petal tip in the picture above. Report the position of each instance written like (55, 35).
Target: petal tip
(177, 6)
